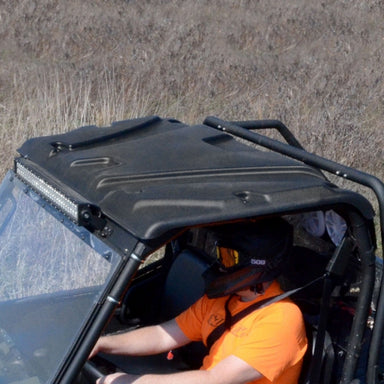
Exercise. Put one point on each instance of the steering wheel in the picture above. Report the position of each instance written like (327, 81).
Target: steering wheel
(91, 372)
(96, 368)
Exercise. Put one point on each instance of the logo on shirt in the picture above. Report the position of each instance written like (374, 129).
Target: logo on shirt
(240, 331)
(215, 320)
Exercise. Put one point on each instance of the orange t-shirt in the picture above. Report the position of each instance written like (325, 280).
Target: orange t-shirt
(271, 339)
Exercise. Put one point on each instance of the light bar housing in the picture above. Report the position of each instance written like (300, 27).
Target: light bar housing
(65, 204)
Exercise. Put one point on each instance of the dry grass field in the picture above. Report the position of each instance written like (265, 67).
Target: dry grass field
(315, 65)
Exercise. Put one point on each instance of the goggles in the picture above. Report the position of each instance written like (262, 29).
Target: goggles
(227, 257)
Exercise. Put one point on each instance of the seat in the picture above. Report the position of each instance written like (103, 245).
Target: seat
(183, 286)
(325, 363)
(184, 283)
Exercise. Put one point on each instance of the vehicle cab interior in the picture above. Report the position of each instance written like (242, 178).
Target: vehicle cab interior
(323, 277)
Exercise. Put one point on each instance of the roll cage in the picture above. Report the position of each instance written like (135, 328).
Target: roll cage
(154, 179)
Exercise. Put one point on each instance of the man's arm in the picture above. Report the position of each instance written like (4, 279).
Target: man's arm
(143, 341)
(231, 370)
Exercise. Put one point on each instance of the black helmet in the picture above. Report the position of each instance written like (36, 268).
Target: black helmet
(247, 254)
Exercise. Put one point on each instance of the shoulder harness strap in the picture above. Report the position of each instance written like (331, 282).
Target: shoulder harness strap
(220, 329)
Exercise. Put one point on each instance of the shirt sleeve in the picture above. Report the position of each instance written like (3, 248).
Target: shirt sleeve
(190, 321)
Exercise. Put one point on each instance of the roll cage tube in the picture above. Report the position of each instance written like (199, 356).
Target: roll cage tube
(268, 124)
(367, 256)
(345, 172)
(97, 324)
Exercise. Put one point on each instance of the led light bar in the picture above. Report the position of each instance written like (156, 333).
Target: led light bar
(48, 192)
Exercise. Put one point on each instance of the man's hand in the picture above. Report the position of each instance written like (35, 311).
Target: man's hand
(95, 350)
(231, 370)
(117, 378)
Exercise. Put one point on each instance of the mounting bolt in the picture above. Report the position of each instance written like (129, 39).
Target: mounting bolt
(86, 215)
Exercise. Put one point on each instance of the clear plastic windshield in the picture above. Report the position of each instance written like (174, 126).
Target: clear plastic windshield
(52, 274)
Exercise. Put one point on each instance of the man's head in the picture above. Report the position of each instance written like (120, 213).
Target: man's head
(248, 254)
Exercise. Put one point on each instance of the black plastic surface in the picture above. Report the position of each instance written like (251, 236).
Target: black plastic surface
(152, 176)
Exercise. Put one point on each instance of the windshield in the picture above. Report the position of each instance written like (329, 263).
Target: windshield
(52, 274)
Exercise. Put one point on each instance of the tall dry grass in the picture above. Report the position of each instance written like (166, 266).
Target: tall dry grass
(317, 66)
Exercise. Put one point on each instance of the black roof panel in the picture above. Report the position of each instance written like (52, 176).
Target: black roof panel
(153, 175)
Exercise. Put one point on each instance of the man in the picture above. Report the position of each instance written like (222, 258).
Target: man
(265, 346)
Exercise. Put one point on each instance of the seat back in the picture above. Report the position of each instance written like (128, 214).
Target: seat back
(326, 361)
(184, 283)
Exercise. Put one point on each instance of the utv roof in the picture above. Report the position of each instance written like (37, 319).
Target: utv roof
(153, 175)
